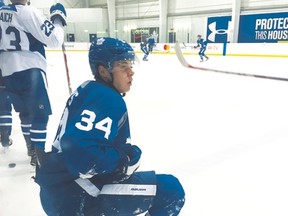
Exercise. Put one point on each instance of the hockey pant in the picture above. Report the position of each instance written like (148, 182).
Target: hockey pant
(146, 53)
(5, 117)
(29, 96)
(202, 53)
(162, 195)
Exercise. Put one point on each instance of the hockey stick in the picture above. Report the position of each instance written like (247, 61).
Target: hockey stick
(66, 65)
(183, 61)
(66, 68)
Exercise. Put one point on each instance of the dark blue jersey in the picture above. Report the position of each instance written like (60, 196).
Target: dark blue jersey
(151, 41)
(76, 178)
(91, 136)
(201, 43)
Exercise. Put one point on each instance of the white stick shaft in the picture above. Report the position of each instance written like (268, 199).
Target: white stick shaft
(183, 61)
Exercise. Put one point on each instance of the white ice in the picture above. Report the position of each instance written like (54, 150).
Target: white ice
(224, 136)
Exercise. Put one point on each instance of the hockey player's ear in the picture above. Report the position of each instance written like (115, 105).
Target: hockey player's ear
(104, 73)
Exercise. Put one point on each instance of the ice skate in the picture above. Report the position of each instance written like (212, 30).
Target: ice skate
(29, 147)
(5, 149)
(33, 160)
(6, 141)
(10, 141)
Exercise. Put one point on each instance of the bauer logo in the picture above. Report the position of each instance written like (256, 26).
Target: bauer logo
(219, 29)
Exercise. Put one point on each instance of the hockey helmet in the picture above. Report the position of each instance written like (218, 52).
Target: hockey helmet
(106, 50)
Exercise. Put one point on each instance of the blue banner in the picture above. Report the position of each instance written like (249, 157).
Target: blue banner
(256, 28)
(259, 28)
(219, 29)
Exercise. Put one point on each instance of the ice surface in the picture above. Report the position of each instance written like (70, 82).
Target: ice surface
(224, 136)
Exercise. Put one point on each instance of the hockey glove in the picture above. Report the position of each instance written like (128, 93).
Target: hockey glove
(58, 12)
(130, 163)
(133, 159)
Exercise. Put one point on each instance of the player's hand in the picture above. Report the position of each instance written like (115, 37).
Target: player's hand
(133, 159)
(130, 163)
(58, 12)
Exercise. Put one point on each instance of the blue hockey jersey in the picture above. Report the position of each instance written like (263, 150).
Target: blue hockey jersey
(77, 177)
(91, 137)
(201, 43)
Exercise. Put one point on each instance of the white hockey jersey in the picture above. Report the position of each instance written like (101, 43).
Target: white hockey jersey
(24, 32)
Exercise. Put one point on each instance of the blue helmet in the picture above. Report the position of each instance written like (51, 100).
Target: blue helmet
(105, 51)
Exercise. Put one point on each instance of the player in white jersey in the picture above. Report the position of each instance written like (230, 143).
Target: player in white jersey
(24, 34)
(5, 112)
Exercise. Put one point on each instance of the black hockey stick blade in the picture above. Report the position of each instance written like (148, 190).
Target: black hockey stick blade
(183, 61)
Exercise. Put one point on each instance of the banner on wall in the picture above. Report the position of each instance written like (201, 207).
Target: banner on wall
(141, 34)
(219, 29)
(269, 28)
(255, 28)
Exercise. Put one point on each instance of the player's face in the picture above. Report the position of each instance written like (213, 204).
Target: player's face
(122, 76)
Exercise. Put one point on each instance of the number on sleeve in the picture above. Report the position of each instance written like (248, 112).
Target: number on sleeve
(47, 27)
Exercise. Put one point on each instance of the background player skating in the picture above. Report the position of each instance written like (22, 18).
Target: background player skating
(25, 32)
(143, 47)
(202, 44)
(92, 167)
(151, 43)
